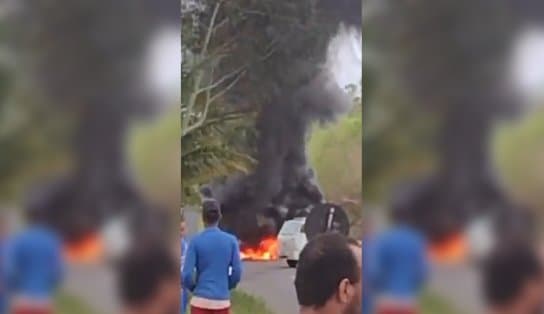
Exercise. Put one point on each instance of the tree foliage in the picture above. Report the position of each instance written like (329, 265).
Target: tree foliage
(207, 125)
(237, 57)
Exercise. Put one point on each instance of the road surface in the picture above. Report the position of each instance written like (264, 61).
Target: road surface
(95, 285)
(459, 286)
(272, 281)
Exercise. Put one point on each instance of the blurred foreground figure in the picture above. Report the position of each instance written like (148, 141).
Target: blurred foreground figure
(212, 266)
(513, 281)
(399, 268)
(328, 278)
(148, 282)
(33, 267)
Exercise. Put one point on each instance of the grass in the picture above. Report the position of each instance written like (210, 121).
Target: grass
(68, 304)
(433, 304)
(243, 303)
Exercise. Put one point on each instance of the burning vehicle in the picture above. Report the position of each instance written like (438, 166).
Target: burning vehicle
(281, 229)
(283, 237)
(295, 233)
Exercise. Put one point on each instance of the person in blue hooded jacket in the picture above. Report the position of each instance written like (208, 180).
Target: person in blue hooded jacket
(212, 266)
(400, 268)
(33, 267)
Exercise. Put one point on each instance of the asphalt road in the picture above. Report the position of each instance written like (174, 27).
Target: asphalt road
(272, 281)
(94, 285)
(459, 286)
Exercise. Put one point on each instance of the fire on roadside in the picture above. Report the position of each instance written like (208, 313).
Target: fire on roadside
(267, 250)
(89, 249)
(453, 249)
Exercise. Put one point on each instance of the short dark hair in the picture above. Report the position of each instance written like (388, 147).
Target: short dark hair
(324, 262)
(211, 212)
(506, 271)
(141, 272)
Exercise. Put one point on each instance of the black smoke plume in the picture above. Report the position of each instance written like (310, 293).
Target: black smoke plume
(283, 182)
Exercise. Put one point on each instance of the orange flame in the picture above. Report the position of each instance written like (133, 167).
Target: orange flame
(87, 250)
(267, 250)
(453, 249)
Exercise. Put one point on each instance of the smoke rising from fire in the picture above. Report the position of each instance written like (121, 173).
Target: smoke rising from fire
(283, 178)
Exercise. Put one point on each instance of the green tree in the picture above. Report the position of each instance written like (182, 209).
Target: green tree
(208, 125)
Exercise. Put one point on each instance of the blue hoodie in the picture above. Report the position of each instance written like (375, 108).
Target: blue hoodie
(33, 263)
(400, 270)
(211, 254)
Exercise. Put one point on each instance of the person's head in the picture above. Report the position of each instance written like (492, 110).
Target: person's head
(328, 277)
(513, 281)
(211, 212)
(149, 282)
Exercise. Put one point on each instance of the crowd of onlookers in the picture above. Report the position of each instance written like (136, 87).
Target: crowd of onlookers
(328, 277)
(384, 274)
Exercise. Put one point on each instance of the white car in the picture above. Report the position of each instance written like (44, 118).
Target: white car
(480, 238)
(292, 240)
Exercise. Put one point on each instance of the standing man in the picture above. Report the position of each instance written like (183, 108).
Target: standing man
(184, 245)
(212, 265)
(400, 271)
(33, 267)
(513, 281)
(328, 277)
